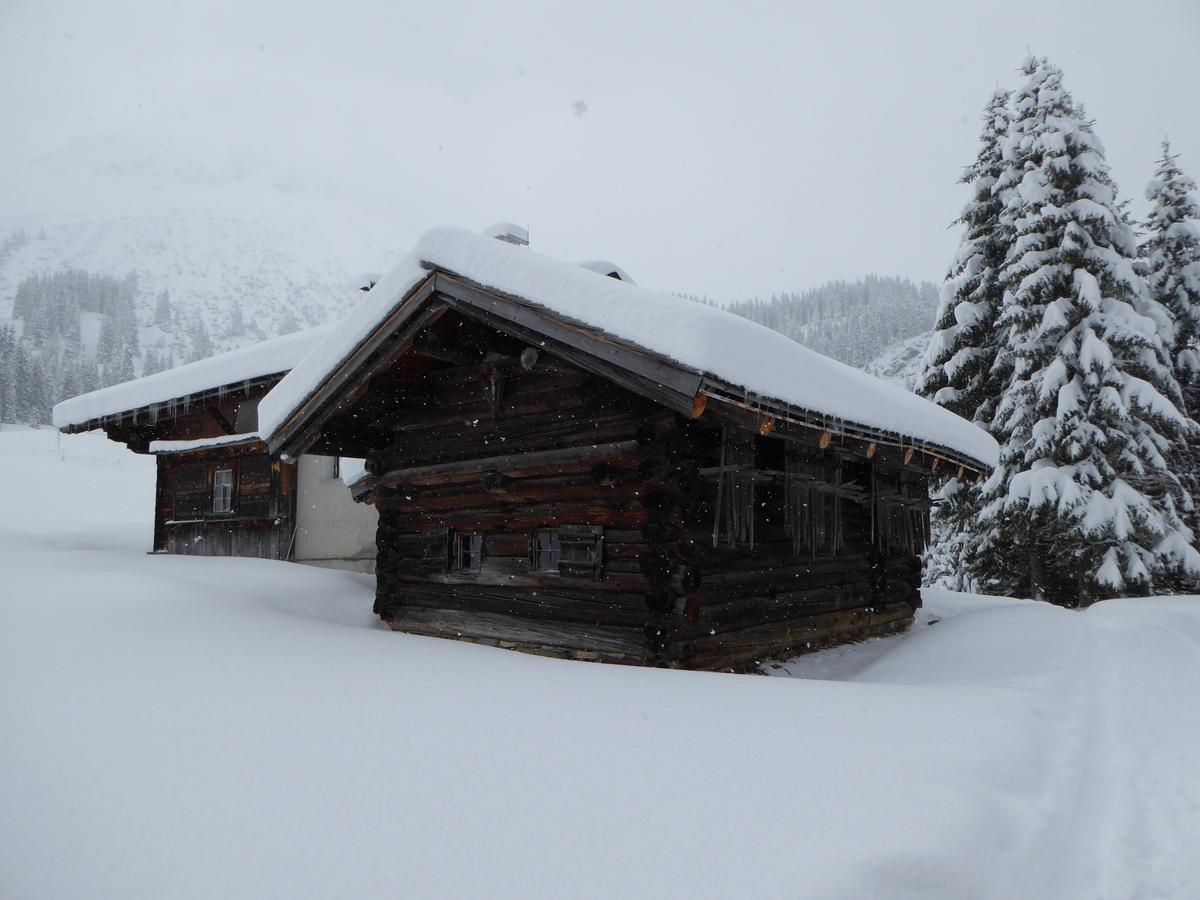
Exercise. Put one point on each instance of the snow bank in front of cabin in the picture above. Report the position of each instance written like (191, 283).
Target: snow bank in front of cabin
(194, 727)
(266, 358)
(699, 337)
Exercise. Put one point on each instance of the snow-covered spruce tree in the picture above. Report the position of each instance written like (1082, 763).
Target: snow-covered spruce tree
(959, 370)
(1083, 504)
(1170, 255)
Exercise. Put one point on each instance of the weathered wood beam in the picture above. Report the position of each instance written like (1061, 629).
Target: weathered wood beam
(592, 349)
(219, 416)
(499, 464)
(428, 344)
(384, 345)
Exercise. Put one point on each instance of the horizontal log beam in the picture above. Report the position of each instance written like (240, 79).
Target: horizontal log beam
(511, 461)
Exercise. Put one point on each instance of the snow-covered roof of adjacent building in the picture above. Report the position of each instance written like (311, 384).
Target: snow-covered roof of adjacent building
(271, 357)
(209, 443)
(606, 267)
(352, 470)
(698, 338)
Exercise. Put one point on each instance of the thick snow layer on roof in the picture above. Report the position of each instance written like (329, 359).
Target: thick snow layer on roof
(352, 470)
(606, 267)
(265, 358)
(508, 231)
(203, 443)
(700, 337)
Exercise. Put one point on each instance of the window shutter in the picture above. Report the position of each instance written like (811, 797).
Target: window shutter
(190, 492)
(466, 552)
(254, 487)
(581, 550)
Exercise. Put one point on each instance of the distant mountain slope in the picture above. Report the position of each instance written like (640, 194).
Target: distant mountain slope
(211, 229)
(901, 362)
(275, 267)
(210, 249)
(876, 323)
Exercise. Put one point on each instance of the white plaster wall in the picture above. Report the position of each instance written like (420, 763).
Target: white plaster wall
(331, 529)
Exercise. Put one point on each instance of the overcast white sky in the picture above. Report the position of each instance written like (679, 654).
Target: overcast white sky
(730, 149)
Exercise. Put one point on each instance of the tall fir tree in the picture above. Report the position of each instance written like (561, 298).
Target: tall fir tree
(125, 370)
(26, 392)
(41, 392)
(1083, 503)
(162, 309)
(8, 374)
(237, 319)
(202, 346)
(1170, 255)
(959, 370)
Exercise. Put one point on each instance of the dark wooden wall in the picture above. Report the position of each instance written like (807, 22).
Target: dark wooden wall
(819, 557)
(558, 448)
(501, 450)
(261, 522)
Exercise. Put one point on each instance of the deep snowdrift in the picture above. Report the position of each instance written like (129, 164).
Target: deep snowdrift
(177, 727)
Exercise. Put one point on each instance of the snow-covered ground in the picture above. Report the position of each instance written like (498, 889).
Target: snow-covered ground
(179, 727)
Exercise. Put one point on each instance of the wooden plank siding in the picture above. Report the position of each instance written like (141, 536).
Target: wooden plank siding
(472, 457)
(260, 522)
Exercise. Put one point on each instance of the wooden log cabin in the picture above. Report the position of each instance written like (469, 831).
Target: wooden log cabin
(567, 464)
(219, 491)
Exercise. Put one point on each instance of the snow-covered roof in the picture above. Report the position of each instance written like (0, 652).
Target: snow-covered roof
(352, 470)
(510, 232)
(223, 440)
(270, 357)
(606, 267)
(702, 338)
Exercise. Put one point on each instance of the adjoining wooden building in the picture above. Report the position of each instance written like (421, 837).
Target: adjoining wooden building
(219, 491)
(568, 464)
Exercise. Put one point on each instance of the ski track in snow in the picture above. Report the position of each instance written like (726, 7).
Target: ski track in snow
(189, 727)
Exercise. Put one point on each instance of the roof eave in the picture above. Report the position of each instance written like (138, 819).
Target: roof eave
(660, 378)
(172, 405)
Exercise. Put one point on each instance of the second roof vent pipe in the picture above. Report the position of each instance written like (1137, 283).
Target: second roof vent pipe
(509, 232)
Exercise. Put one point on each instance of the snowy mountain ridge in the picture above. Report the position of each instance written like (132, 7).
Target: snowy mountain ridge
(877, 323)
(214, 230)
(212, 249)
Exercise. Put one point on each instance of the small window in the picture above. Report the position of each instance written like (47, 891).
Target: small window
(466, 552)
(547, 550)
(581, 550)
(222, 495)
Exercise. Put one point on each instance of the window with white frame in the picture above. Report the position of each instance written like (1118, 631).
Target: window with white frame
(222, 491)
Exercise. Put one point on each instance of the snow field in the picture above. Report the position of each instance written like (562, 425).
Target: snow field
(191, 727)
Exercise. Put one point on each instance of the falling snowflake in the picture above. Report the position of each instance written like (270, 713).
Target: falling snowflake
(579, 107)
